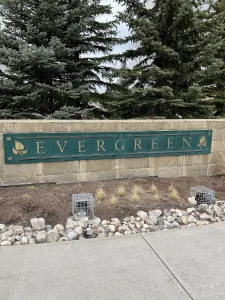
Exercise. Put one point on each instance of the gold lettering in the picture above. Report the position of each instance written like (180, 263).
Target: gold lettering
(186, 142)
(154, 144)
(60, 147)
(100, 144)
(170, 141)
(81, 146)
(137, 143)
(122, 148)
(39, 147)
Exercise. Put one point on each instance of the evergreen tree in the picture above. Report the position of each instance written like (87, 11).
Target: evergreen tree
(48, 55)
(177, 42)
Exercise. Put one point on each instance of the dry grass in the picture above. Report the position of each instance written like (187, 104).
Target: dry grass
(170, 188)
(114, 201)
(156, 196)
(100, 194)
(26, 196)
(154, 189)
(31, 187)
(137, 189)
(135, 197)
(174, 195)
(121, 191)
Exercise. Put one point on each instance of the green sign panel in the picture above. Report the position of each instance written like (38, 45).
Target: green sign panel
(44, 147)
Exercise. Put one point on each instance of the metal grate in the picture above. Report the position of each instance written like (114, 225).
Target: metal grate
(202, 194)
(83, 206)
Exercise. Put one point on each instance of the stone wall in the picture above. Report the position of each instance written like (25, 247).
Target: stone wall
(77, 171)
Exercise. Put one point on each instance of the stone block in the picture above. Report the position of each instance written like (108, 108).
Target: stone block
(135, 173)
(65, 178)
(97, 165)
(218, 135)
(196, 170)
(195, 124)
(162, 125)
(133, 163)
(55, 168)
(147, 125)
(166, 161)
(103, 175)
(219, 124)
(216, 169)
(130, 125)
(167, 172)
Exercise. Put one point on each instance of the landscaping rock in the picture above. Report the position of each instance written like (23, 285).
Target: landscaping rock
(89, 232)
(191, 219)
(53, 235)
(62, 239)
(205, 216)
(18, 230)
(170, 219)
(156, 213)
(6, 243)
(59, 227)
(24, 240)
(72, 235)
(116, 222)
(184, 220)
(143, 215)
(79, 230)
(132, 220)
(38, 223)
(42, 237)
(217, 210)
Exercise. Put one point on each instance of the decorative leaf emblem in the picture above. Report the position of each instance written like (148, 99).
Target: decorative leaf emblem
(202, 142)
(19, 149)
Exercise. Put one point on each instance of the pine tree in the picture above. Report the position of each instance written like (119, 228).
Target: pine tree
(49, 55)
(215, 90)
(175, 58)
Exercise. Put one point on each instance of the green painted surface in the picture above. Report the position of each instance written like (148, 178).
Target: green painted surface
(44, 147)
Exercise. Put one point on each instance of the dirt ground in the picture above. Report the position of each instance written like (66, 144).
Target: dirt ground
(19, 204)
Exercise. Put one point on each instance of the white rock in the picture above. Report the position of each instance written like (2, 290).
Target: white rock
(217, 210)
(116, 222)
(62, 239)
(38, 223)
(190, 210)
(184, 220)
(101, 235)
(179, 213)
(156, 213)
(89, 232)
(127, 232)
(168, 224)
(6, 243)
(170, 219)
(117, 234)
(191, 219)
(104, 224)
(18, 230)
(143, 215)
(138, 226)
(16, 243)
(72, 235)
(146, 226)
(204, 217)
(153, 219)
(32, 241)
(24, 240)
(127, 219)
(175, 224)
(53, 235)
(59, 227)
(42, 237)
(96, 221)
(122, 229)
(192, 201)
(112, 228)
(2, 226)
(27, 229)
(138, 219)
(79, 230)
(199, 223)
(132, 220)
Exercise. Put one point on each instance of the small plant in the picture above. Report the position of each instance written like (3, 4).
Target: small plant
(100, 194)
(174, 195)
(114, 201)
(135, 197)
(137, 189)
(170, 188)
(154, 189)
(156, 196)
(121, 191)
(31, 187)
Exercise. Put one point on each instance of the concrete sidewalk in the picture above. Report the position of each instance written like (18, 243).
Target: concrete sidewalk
(166, 265)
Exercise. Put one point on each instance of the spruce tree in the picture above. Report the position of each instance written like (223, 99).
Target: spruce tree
(53, 55)
(177, 42)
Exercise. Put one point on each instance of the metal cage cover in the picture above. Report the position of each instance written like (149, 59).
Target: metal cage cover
(202, 194)
(83, 205)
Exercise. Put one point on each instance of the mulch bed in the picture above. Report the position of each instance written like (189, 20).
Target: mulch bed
(18, 204)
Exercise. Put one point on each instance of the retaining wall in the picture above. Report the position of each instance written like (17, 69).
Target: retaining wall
(77, 171)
